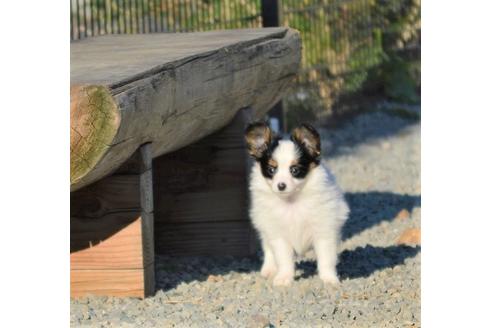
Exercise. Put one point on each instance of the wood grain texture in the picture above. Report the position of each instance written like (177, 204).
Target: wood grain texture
(111, 242)
(124, 283)
(113, 194)
(94, 120)
(204, 238)
(172, 90)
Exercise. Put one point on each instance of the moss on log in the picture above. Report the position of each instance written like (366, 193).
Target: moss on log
(94, 121)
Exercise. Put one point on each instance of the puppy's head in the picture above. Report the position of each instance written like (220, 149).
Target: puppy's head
(284, 164)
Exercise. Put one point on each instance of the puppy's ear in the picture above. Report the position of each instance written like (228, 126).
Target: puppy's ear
(307, 136)
(258, 137)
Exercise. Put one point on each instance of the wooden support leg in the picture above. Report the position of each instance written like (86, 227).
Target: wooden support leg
(111, 232)
(201, 194)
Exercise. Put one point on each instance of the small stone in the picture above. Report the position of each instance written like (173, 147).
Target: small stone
(409, 236)
(403, 215)
(386, 145)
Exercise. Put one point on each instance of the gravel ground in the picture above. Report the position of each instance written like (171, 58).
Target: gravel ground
(376, 159)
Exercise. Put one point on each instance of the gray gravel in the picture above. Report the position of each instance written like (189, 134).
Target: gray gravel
(376, 158)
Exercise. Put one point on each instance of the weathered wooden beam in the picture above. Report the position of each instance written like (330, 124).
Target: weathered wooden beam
(169, 89)
(111, 232)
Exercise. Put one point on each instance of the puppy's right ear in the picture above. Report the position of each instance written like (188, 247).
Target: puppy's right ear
(258, 137)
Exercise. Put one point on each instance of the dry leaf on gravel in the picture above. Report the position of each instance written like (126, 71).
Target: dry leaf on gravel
(214, 278)
(409, 236)
(404, 214)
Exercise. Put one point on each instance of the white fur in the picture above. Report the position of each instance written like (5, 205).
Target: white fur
(307, 215)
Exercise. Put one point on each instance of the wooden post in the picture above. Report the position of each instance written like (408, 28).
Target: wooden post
(271, 14)
(111, 232)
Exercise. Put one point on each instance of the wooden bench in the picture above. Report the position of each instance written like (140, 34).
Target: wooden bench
(157, 158)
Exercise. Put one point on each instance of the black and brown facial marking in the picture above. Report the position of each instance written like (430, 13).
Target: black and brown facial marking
(261, 143)
(300, 168)
(268, 166)
(307, 140)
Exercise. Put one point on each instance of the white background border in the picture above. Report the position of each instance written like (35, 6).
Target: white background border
(456, 163)
(35, 136)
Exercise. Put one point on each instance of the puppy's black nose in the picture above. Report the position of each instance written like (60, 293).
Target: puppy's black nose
(281, 186)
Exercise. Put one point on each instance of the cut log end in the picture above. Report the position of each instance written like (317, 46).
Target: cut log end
(94, 121)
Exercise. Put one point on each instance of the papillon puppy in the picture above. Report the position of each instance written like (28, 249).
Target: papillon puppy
(296, 205)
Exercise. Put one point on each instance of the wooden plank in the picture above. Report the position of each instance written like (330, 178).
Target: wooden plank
(168, 89)
(112, 194)
(129, 282)
(202, 206)
(111, 242)
(205, 238)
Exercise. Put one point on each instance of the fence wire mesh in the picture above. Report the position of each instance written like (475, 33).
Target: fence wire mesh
(99, 17)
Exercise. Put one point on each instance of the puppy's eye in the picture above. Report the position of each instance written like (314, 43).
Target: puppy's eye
(271, 170)
(294, 171)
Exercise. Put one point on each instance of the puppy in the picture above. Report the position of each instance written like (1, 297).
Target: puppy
(296, 205)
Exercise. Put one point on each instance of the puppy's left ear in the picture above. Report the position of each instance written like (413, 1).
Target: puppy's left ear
(307, 136)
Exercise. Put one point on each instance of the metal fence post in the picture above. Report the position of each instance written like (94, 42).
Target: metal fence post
(271, 14)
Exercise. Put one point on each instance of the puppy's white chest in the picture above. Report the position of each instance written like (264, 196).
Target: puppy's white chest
(297, 227)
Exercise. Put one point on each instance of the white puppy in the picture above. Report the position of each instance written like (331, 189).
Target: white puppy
(296, 205)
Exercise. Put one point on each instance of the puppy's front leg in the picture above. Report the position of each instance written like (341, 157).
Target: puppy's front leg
(284, 257)
(326, 257)
(269, 267)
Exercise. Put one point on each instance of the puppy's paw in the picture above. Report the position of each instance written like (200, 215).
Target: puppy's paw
(330, 279)
(268, 271)
(283, 279)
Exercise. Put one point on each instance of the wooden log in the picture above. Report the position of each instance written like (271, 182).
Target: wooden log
(169, 89)
(111, 232)
(201, 196)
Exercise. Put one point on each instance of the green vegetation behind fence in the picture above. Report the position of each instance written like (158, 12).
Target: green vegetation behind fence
(349, 46)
